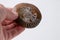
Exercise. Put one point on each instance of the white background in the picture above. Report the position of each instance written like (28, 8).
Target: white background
(49, 28)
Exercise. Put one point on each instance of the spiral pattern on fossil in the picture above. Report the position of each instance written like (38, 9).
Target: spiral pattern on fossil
(29, 15)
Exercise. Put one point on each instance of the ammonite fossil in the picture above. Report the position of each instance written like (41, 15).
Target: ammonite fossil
(29, 15)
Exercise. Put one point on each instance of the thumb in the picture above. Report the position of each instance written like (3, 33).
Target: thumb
(11, 15)
(2, 13)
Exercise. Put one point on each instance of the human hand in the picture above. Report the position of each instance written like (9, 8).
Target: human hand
(8, 28)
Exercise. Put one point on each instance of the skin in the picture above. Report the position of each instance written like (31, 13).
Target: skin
(8, 28)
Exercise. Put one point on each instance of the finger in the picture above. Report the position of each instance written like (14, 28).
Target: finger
(13, 10)
(2, 37)
(15, 31)
(6, 22)
(2, 13)
(12, 15)
(10, 26)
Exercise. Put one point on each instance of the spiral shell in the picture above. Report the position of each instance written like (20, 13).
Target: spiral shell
(29, 15)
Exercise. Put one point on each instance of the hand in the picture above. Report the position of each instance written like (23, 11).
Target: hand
(8, 28)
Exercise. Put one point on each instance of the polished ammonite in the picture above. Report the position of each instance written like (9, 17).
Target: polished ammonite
(29, 15)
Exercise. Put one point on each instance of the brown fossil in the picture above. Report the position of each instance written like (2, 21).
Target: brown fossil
(29, 15)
